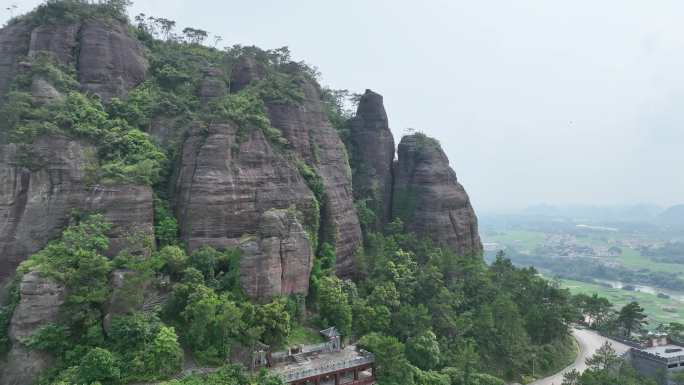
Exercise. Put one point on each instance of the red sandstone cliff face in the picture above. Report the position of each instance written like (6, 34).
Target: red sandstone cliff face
(14, 43)
(231, 188)
(39, 305)
(35, 204)
(36, 201)
(429, 199)
(109, 62)
(372, 154)
(306, 127)
(224, 189)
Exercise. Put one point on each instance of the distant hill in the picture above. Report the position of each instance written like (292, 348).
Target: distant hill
(672, 216)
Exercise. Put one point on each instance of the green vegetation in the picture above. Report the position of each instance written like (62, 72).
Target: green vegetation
(165, 224)
(427, 306)
(424, 141)
(630, 266)
(404, 203)
(228, 375)
(333, 305)
(670, 252)
(302, 335)
(124, 153)
(631, 318)
(555, 357)
(340, 108)
(312, 222)
(524, 241)
(84, 353)
(634, 259)
(206, 304)
(6, 312)
(659, 310)
(248, 112)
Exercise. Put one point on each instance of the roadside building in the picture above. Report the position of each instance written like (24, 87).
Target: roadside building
(326, 363)
(660, 359)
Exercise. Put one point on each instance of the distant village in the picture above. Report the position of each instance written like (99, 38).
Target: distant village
(569, 245)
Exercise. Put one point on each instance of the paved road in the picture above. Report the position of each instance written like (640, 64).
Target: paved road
(589, 341)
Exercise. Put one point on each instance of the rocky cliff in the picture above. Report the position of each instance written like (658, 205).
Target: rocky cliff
(248, 159)
(36, 200)
(44, 182)
(39, 306)
(224, 188)
(308, 131)
(108, 61)
(372, 153)
(429, 199)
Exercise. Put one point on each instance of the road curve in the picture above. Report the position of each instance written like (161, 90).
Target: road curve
(588, 341)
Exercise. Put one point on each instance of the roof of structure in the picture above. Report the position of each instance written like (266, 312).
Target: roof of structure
(323, 363)
(666, 351)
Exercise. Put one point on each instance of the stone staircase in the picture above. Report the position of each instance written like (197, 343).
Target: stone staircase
(154, 301)
(299, 358)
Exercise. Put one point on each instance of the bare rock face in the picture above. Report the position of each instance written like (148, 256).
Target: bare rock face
(245, 71)
(226, 183)
(14, 41)
(306, 127)
(372, 153)
(43, 92)
(279, 259)
(110, 62)
(60, 40)
(36, 199)
(429, 199)
(40, 299)
(213, 86)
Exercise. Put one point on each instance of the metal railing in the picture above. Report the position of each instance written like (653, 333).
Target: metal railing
(300, 373)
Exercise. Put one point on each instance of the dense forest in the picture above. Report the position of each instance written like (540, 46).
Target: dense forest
(429, 313)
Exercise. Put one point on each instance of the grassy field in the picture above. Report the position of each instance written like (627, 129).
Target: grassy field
(304, 336)
(633, 259)
(524, 241)
(654, 306)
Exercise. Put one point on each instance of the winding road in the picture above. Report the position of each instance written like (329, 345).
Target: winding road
(588, 341)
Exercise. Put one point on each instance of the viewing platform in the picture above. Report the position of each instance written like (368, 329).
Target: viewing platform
(348, 366)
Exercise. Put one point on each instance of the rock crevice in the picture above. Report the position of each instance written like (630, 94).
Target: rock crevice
(224, 191)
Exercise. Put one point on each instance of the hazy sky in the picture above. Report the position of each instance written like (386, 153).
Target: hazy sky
(534, 101)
